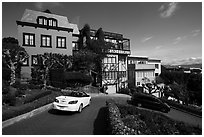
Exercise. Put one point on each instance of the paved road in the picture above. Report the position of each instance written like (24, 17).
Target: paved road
(92, 120)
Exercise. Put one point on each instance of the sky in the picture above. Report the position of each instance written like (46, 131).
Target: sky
(171, 32)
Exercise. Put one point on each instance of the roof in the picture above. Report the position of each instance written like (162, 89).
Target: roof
(131, 57)
(30, 16)
(154, 60)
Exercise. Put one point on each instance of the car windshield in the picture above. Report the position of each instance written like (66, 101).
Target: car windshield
(78, 94)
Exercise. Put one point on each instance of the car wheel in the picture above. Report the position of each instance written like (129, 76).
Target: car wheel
(80, 108)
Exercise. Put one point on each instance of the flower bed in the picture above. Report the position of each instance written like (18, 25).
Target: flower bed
(154, 123)
(116, 125)
(183, 107)
(14, 111)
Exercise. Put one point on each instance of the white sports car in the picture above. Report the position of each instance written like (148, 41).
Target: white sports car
(75, 101)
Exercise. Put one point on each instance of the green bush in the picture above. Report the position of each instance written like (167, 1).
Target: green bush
(5, 87)
(125, 91)
(6, 73)
(18, 110)
(154, 123)
(116, 125)
(36, 96)
(10, 98)
(183, 107)
(77, 79)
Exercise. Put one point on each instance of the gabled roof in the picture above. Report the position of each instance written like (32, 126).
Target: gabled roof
(30, 16)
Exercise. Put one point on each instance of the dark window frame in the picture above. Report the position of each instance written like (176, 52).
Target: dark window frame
(65, 46)
(29, 34)
(50, 46)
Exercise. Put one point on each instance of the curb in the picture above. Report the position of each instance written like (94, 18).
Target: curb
(26, 115)
(187, 112)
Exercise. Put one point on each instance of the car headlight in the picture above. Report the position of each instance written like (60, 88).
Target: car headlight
(73, 102)
(56, 100)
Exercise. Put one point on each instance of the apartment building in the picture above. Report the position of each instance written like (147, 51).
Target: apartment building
(141, 69)
(40, 32)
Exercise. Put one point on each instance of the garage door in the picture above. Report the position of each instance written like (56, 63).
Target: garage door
(111, 89)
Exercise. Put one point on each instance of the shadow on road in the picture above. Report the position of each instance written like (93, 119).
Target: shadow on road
(58, 112)
(100, 123)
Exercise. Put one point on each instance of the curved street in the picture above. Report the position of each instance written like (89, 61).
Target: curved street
(92, 120)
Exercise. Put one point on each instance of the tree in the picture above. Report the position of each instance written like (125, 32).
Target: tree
(13, 57)
(48, 61)
(194, 86)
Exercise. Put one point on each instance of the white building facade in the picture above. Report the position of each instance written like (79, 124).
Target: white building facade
(40, 32)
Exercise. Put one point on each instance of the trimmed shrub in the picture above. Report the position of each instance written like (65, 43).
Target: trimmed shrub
(6, 73)
(183, 107)
(36, 96)
(77, 79)
(5, 87)
(154, 123)
(125, 91)
(10, 98)
(116, 125)
(19, 110)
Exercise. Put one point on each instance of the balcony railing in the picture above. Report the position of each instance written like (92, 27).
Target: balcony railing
(144, 66)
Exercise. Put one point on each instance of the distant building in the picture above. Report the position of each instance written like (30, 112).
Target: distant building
(141, 69)
(40, 32)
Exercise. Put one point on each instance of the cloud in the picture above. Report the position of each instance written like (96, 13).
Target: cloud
(195, 32)
(44, 5)
(168, 9)
(146, 39)
(187, 61)
(179, 39)
(158, 47)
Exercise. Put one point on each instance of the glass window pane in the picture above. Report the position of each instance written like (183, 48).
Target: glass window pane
(26, 39)
(63, 42)
(44, 41)
(48, 41)
(31, 40)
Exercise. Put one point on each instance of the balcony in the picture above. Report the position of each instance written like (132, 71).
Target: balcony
(144, 66)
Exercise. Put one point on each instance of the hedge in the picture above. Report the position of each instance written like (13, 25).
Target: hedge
(183, 107)
(149, 122)
(19, 110)
(36, 96)
(116, 125)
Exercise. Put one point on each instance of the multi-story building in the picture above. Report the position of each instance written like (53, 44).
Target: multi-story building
(114, 65)
(40, 32)
(141, 69)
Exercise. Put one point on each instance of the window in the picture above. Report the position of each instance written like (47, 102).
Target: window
(61, 42)
(47, 21)
(54, 23)
(41, 21)
(46, 41)
(50, 22)
(28, 39)
(156, 74)
(138, 83)
(34, 60)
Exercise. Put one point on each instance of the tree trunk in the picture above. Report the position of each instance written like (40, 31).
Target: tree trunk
(13, 74)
